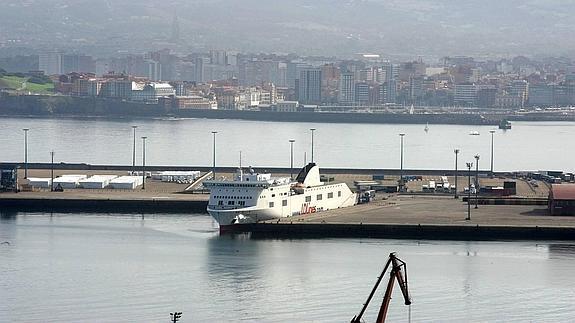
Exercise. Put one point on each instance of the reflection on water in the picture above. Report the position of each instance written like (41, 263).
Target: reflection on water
(110, 268)
(229, 259)
(561, 250)
(7, 215)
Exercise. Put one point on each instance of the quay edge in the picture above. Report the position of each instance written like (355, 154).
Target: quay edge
(402, 231)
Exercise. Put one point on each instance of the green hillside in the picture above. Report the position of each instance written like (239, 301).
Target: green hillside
(21, 84)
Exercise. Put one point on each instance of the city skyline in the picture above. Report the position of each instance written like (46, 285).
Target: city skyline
(232, 80)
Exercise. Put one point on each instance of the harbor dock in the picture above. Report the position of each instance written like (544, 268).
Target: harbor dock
(410, 215)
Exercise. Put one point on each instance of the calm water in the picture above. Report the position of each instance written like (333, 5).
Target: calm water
(528, 146)
(121, 268)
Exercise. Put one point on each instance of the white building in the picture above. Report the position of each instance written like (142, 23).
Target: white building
(465, 94)
(287, 106)
(346, 88)
(151, 92)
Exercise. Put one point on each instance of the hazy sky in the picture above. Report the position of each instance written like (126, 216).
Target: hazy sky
(329, 27)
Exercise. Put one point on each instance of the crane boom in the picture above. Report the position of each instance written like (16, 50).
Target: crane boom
(396, 273)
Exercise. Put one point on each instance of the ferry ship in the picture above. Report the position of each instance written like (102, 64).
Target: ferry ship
(251, 197)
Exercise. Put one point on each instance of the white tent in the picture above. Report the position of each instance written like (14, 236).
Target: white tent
(97, 181)
(126, 182)
(69, 181)
(39, 182)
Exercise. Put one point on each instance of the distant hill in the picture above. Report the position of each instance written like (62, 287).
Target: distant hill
(408, 27)
(25, 84)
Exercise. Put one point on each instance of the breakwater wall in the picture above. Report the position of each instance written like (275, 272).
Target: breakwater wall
(342, 117)
(70, 106)
(398, 231)
(136, 206)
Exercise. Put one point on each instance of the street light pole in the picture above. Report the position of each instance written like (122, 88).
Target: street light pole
(401, 135)
(469, 165)
(134, 150)
(52, 171)
(476, 178)
(312, 131)
(456, 151)
(492, 133)
(144, 162)
(291, 158)
(25, 152)
(214, 155)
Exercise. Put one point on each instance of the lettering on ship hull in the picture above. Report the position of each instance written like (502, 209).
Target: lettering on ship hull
(307, 209)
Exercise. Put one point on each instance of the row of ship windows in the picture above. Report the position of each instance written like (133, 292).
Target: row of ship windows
(284, 203)
(234, 197)
(240, 185)
(320, 188)
(241, 203)
(319, 197)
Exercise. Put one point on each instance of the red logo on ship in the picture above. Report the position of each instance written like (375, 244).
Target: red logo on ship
(306, 209)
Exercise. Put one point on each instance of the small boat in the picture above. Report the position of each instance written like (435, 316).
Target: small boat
(474, 133)
(504, 124)
(426, 129)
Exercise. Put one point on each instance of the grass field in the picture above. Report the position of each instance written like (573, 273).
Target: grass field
(20, 85)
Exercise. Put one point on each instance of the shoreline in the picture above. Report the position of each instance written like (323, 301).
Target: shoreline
(476, 119)
(39, 106)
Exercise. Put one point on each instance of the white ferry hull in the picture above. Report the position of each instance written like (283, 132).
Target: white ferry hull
(257, 197)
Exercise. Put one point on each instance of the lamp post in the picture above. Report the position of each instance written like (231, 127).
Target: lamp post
(401, 135)
(52, 171)
(312, 131)
(134, 150)
(456, 151)
(214, 155)
(469, 165)
(492, 133)
(291, 158)
(25, 152)
(476, 178)
(144, 162)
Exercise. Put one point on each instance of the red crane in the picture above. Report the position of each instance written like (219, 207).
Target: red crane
(396, 273)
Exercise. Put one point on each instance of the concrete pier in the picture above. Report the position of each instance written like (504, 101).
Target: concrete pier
(417, 217)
